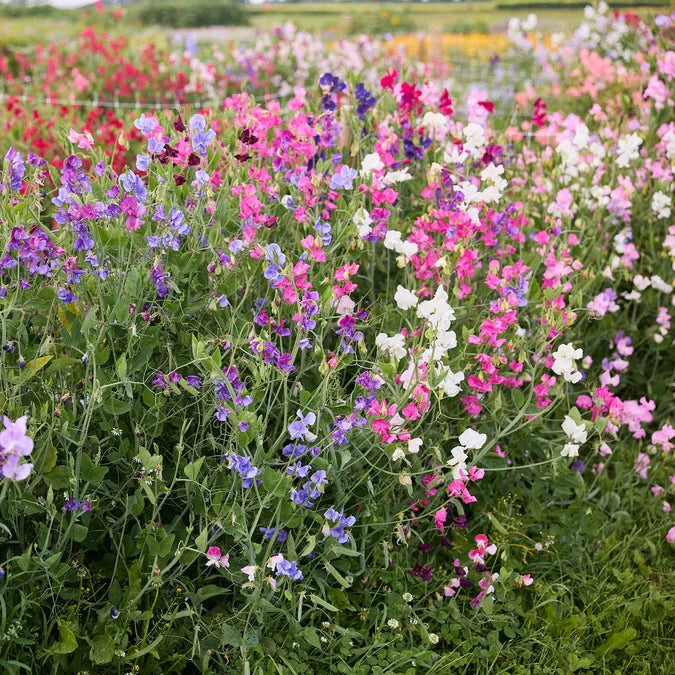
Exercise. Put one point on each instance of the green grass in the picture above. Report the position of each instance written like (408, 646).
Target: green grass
(336, 17)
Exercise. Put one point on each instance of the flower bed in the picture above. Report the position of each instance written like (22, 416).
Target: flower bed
(272, 373)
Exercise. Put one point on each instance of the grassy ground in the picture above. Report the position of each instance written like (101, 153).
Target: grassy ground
(446, 17)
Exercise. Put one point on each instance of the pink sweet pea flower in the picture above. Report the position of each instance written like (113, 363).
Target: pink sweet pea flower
(440, 517)
(13, 437)
(84, 141)
(216, 559)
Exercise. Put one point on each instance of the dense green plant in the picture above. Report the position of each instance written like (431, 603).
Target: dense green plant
(193, 14)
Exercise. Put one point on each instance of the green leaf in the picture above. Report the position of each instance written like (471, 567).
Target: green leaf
(274, 481)
(90, 472)
(32, 367)
(102, 650)
(312, 637)
(202, 539)
(616, 641)
(192, 469)
(58, 478)
(121, 367)
(79, 533)
(114, 406)
(68, 642)
(339, 598)
(311, 543)
(166, 545)
(149, 492)
(49, 460)
(231, 636)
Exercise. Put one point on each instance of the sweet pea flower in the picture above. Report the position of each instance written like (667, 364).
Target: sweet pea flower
(83, 141)
(249, 571)
(216, 559)
(15, 444)
(575, 432)
(300, 428)
(404, 298)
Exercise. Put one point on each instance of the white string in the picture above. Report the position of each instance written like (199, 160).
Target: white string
(91, 104)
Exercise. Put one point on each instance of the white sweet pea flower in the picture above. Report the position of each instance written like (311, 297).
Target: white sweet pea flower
(437, 311)
(393, 241)
(494, 173)
(530, 23)
(391, 346)
(393, 177)
(371, 162)
(363, 221)
(627, 149)
(660, 285)
(436, 123)
(345, 305)
(470, 191)
(564, 362)
(458, 461)
(575, 432)
(445, 340)
(472, 439)
(490, 194)
(459, 456)
(408, 249)
(450, 383)
(570, 450)
(414, 445)
(453, 155)
(405, 299)
(641, 283)
(474, 138)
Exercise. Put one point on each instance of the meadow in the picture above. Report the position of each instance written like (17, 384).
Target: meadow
(346, 349)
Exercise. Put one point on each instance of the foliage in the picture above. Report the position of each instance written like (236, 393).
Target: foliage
(193, 14)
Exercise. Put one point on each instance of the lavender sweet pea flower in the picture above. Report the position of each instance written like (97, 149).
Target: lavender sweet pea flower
(343, 179)
(299, 428)
(197, 122)
(142, 162)
(146, 125)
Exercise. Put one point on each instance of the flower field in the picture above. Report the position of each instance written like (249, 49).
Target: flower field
(339, 357)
